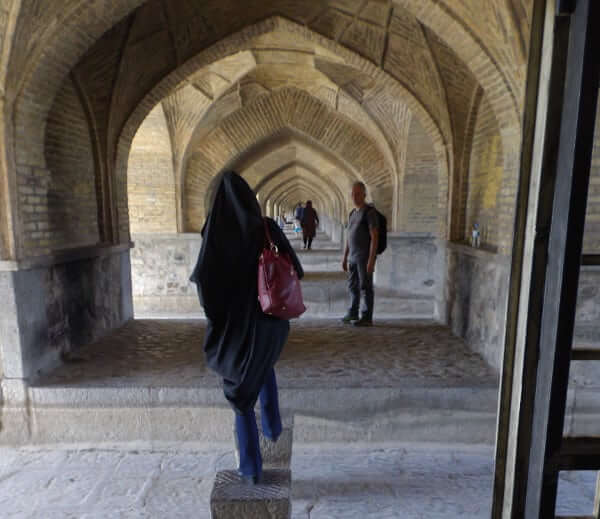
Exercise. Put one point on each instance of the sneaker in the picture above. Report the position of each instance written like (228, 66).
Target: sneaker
(349, 318)
(363, 321)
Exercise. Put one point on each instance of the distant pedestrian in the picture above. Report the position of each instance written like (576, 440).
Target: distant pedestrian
(309, 223)
(360, 256)
(298, 214)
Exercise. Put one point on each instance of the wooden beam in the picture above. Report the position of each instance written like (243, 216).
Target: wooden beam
(534, 121)
(590, 259)
(585, 354)
(537, 359)
(577, 453)
(564, 259)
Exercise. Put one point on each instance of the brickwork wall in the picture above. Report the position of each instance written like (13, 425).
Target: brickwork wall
(151, 46)
(6, 233)
(150, 177)
(71, 195)
(591, 238)
(420, 207)
(485, 177)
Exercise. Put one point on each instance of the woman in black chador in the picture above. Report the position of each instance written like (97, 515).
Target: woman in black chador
(242, 343)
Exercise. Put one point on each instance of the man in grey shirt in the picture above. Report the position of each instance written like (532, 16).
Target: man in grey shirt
(360, 256)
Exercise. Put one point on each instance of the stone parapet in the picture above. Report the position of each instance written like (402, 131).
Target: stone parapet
(477, 294)
(231, 498)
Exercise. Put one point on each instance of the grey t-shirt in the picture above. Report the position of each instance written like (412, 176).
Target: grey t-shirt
(359, 237)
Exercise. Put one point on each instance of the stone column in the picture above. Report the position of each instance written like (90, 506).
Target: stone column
(232, 498)
(52, 305)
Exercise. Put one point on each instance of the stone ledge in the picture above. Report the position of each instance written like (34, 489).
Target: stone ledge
(485, 254)
(65, 256)
(232, 498)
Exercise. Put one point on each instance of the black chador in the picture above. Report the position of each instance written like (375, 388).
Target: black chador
(242, 344)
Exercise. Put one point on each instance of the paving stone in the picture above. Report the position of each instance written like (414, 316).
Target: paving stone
(408, 481)
(270, 499)
(319, 353)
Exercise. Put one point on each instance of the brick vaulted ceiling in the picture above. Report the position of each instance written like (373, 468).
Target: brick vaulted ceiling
(350, 74)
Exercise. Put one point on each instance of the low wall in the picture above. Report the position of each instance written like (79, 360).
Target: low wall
(413, 264)
(477, 296)
(161, 268)
(333, 229)
(56, 304)
(411, 269)
(587, 327)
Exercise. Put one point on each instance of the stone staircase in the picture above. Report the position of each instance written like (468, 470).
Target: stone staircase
(146, 386)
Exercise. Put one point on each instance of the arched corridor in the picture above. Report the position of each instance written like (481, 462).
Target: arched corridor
(118, 117)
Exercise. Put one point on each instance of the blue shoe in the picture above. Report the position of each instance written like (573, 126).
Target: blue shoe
(253, 479)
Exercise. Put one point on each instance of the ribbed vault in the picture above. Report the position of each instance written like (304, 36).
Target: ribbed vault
(254, 125)
(371, 66)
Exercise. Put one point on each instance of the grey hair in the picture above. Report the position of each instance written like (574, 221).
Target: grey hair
(361, 185)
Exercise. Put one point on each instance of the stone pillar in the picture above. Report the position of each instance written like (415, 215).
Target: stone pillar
(52, 305)
(231, 498)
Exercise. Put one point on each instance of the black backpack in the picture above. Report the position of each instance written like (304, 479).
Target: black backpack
(382, 244)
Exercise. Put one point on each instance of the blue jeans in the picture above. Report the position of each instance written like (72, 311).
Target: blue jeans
(247, 431)
(360, 283)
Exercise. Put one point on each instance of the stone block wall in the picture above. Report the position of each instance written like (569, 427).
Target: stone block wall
(477, 288)
(591, 238)
(410, 265)
(587, 324)
(52, 309)
(476, 297)
(161, 267)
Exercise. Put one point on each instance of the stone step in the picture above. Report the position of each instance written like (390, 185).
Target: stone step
(148, 383)
(320, 260)
(166, 416)
(232, 498)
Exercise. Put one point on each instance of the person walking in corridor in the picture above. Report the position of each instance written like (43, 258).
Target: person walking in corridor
(360, 256)
(241, 344)
(309, 223)
(298, 214)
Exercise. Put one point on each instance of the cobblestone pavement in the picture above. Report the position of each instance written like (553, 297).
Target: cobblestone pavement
(403, 481)
(319, 354)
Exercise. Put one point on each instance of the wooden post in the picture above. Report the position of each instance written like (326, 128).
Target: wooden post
(530, 440)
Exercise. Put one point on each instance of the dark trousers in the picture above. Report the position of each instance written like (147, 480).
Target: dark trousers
(360, 283)
(308, 240)
(247, 431)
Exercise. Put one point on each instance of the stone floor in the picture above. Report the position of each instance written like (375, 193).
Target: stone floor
(380, 482)
(319, 354)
